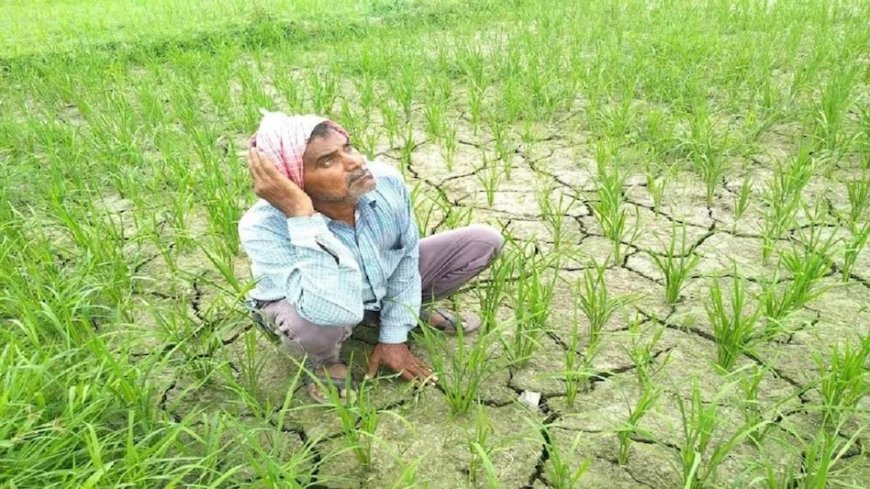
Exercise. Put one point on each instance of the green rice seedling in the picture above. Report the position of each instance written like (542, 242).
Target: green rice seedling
(551, 90)
(74, 412)
(365, 88)
(818, 459)
(823, 452)
(476, 94)
(489, 176)
(835, 100)
(408, 479)
(575, 375)
(493, 292)
(579, 360)
(697, 458)
(734, 330)
(749, 383)
(350, 117)
(773, 474)
(789, 180)
(472, 62)
(323, 88)
(783, 198)
(433, 113)
(404, 86)
(220, 189)
(843, 380)
(481, 451)
(558, 468)
(277, 463)
(656, 186)
(741, 201)
(462, 369)
(435, 108)
(705, 152)
(810, 68)
(610, 211)
(450, 145)
(358, 416)
(859, 199)
(655, 132)
(533, 294)
(596, 303)
(676, 265)
(641, 353)
(504, 148)
(613, 118)
(424, 205)
(251, 364)
(286, 409)
(390, 117)
(513, 102)
(854, 245)
(630, 427)
(456, 216)
(553, 214)
(808, 262)
(367, 141)
(528, 134)
(572, 355)
(406, 151)
(195, 343)
(775, 302)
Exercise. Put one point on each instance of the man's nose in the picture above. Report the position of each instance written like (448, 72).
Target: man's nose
(353, 162)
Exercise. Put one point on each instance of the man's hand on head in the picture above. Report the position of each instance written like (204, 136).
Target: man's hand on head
(275, 188)
(398, 358)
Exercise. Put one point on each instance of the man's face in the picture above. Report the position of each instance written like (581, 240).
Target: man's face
(334, 171)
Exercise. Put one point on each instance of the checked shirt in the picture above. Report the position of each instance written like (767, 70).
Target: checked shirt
(331, 272)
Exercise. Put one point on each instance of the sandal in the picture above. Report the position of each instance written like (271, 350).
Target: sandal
(316, 382)
(451, 323)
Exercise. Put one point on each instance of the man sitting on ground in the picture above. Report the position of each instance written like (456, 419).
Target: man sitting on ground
(333, 241)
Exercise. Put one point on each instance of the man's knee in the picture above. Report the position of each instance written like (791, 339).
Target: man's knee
(320, 339)
(300, 335)
(488, 238)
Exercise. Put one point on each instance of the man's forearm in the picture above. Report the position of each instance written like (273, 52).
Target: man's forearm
(401, 307)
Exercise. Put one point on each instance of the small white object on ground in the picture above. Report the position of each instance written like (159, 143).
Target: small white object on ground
(530, 398)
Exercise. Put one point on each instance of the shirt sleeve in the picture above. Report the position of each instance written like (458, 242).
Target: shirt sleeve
(401, 305)
(304, 260)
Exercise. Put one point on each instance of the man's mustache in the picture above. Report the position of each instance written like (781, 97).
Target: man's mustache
(357, 175)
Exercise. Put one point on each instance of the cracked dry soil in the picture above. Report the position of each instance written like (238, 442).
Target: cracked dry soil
(424, 432)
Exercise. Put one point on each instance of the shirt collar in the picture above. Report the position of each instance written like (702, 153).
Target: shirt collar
(369, 199)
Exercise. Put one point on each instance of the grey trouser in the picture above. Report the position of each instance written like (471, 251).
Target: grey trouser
(448, 260)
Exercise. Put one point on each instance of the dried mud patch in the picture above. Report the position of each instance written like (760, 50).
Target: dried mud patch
(424, 434)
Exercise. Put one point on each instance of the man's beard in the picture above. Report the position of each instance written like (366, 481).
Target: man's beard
(355, 190)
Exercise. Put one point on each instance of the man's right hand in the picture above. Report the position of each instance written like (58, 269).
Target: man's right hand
(275, 188)
(398, 358)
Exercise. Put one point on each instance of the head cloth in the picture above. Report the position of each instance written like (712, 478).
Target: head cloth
(283, 139)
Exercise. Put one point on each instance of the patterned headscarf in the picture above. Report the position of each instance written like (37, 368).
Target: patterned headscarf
(283, 139)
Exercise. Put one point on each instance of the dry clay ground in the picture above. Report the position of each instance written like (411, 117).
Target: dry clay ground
(424, 433)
